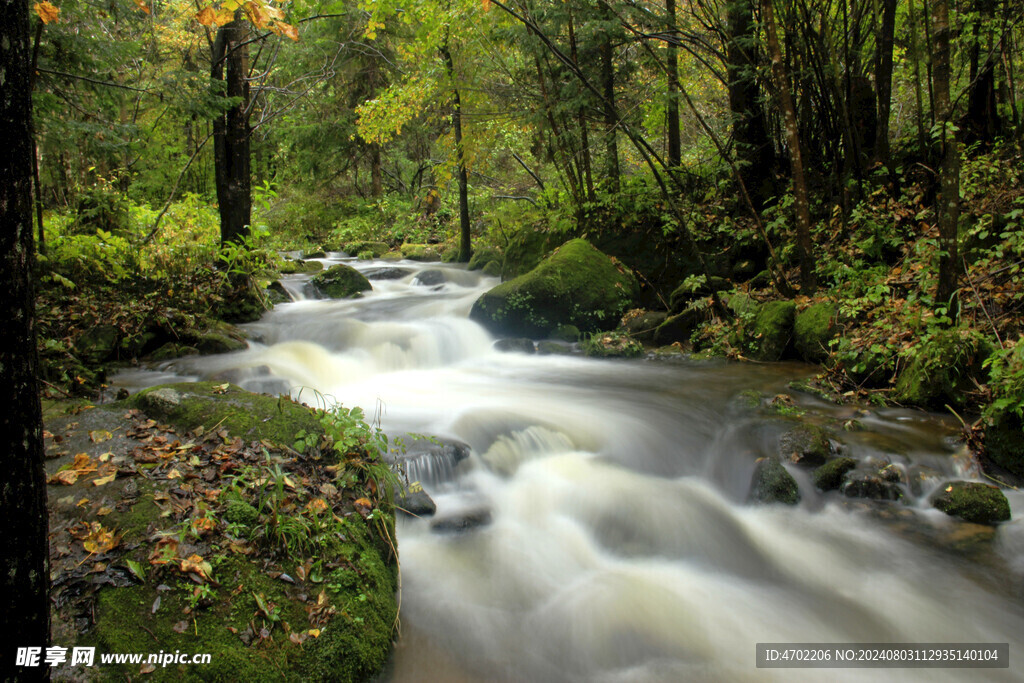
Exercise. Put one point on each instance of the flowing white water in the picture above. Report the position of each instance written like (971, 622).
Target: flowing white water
(619, 546)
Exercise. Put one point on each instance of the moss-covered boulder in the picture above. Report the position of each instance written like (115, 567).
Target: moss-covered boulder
(341, 282)
(482, 256)
(525, 250)
(576, 285)
(374, 249)
(772, 483)
(492, 269)
(392, 256)
(874, 483)
(772, 331)
(208, 404)
(934, 372)
(693, 289)
(277, 294)
(290, 267)
(829, 476)
(616, 344)
(641, 325)
(421, 252)
(972, 502)
(813, 329)
(805, 444)
(680, 327)
(1004, 442)
(220, 337)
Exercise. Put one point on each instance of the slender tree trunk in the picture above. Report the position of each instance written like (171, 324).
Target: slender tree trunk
(25, 580)
(611, 118)
(948, 209)
(808, 281)
(376, 176)
(675, 154)
(883, 79)
(465, 246)
(231, 132)
(983, 122)
(581, 118)
(915, 56)
(754, 152)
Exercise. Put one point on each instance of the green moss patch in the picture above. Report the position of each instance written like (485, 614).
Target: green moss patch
(577, 285)
(813, 329)
(972, 502)
(208, 405)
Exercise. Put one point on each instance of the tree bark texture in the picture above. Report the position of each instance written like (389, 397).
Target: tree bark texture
(25, 580)
(883, 79)
(465, 246)
(231, 132)
(948, 209)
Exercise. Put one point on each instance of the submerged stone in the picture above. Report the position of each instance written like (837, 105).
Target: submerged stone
(871, 485)
(462, 521)
(972, 502)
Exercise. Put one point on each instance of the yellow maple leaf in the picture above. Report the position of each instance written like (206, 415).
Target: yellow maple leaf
(141, 4)
(48, 13)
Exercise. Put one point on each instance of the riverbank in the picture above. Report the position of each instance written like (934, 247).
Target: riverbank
(202, 519)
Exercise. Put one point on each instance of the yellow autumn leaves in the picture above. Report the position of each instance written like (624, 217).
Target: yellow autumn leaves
(263, 15)
(47, 12)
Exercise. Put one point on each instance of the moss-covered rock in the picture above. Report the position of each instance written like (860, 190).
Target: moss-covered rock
(218, 338)
(873, 484)
(566, 333)
(482, 256)
(292, 267)
(492, 269)
(934, 371)
(341, 282)
(208, 404)
(277, 294)
(392, 256)
(576, 285)
(1004, 442)
(615, 344)
(421, 252)
(772, 483)
(450, 254)
(773, 330)
(829, 476)
(641, 325)
(972, 502)
(525, 250)
(680, 327)
(813, 329)
(374, 249)
(693, 289)
(805, 444)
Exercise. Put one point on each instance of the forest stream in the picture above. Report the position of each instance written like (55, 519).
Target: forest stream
(597, 528)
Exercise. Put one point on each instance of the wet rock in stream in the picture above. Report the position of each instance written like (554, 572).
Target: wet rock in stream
(772, 483)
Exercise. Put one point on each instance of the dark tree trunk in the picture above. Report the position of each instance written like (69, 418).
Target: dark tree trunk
(581, 118)
(883, 79)
(982, 123)
(231, 132)
(465, 246)
(754, 152)
(675, 155)
(948, 209)
(376, 176)
(611, 118)
(808, 280)
(25, 580)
